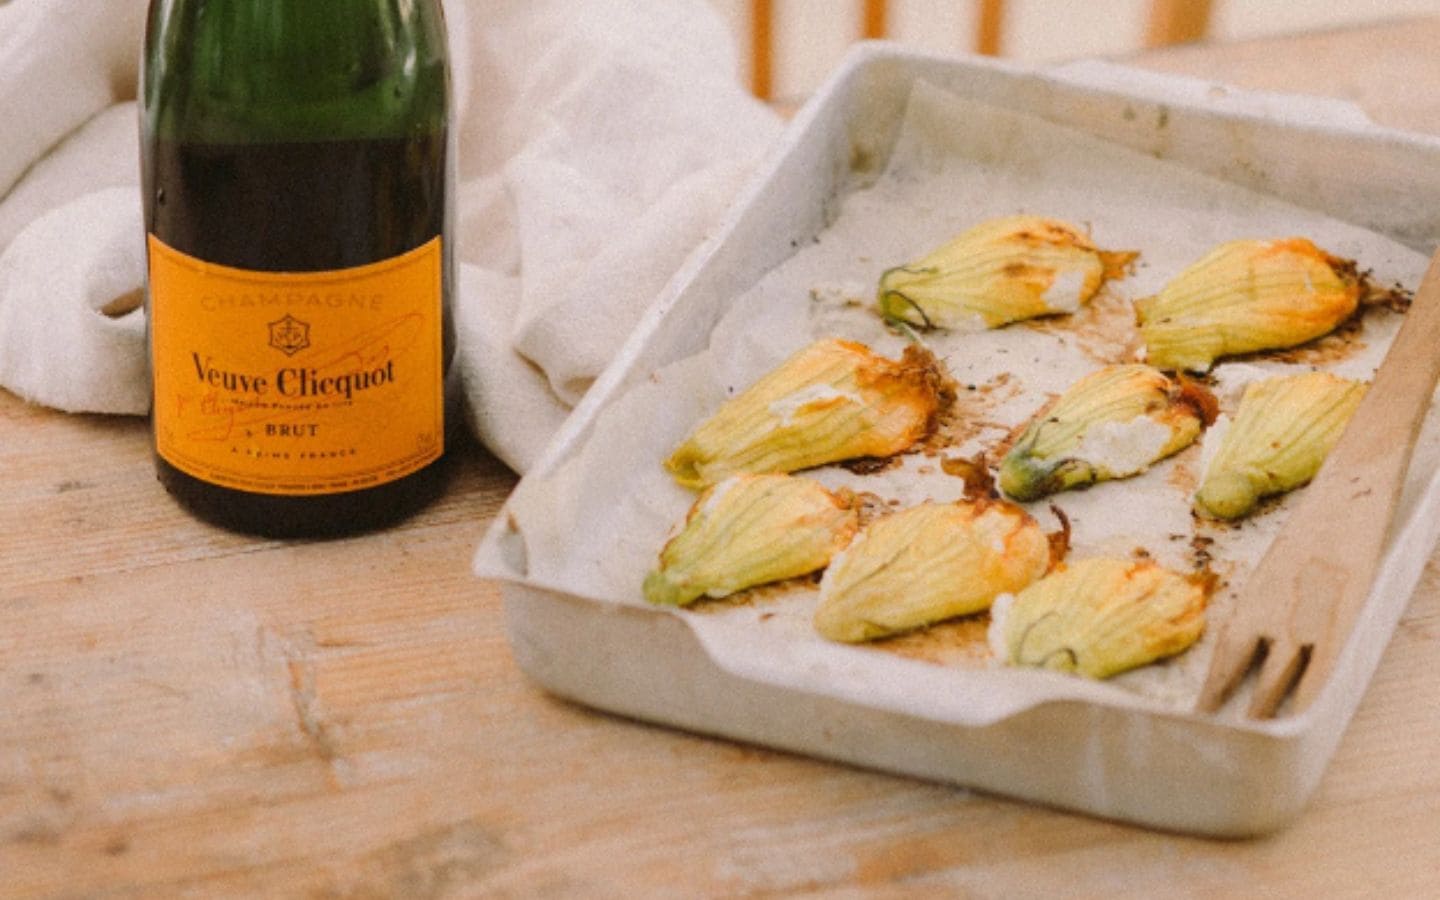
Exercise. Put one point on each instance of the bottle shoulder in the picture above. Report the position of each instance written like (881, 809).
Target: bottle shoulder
(256, 70)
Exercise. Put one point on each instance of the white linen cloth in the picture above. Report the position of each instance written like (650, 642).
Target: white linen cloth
(598, 141)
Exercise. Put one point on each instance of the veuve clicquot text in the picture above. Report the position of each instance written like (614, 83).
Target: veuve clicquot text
(296, 164)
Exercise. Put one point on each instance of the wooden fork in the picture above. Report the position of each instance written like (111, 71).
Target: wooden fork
(1299, 604)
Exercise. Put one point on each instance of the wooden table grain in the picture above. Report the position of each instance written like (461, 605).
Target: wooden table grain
(187, 712)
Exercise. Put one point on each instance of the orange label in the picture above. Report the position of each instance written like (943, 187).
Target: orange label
(297, 383)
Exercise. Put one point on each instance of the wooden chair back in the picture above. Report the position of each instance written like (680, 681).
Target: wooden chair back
(1168, 22)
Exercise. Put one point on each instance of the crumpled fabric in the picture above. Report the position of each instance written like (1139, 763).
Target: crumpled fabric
(599, 142)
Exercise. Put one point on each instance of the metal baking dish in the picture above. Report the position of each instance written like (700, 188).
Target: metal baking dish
(1080, 749)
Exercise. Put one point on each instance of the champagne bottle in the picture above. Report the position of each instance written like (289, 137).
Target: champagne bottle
(296, 169)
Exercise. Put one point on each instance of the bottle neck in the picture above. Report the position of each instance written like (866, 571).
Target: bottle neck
(266, 70)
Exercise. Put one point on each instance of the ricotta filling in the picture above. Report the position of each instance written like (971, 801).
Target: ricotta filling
(995, 633)
(1123, 448)
(1063, 294)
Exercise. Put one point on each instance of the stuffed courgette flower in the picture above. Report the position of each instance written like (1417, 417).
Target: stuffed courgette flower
(1281, 434)
(832, 401)
(1245, 296)
(750, 530)
(927, 563)
(1099, 617)
(1000, 271)
(1113, 423)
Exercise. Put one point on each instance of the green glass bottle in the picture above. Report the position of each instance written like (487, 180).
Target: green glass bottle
(297, 163)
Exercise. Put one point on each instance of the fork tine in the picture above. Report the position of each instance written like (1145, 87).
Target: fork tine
(1283, 667)
(1234, 655)
(1322, 657)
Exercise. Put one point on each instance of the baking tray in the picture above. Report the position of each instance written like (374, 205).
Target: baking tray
(1075, 745)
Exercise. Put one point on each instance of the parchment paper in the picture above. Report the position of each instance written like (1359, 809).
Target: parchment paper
(594, 528)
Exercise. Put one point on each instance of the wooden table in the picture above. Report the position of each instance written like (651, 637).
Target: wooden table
(190, 712)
